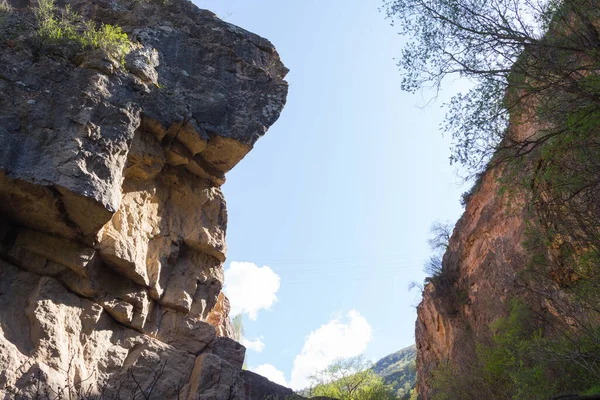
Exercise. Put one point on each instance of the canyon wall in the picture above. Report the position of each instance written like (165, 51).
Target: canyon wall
(511, 247)
(481, 264)
(112, 220)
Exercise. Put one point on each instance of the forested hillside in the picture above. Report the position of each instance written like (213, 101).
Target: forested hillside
(399, 370)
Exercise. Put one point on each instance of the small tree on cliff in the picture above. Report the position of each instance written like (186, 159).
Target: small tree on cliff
(439, 240)
(238, 328)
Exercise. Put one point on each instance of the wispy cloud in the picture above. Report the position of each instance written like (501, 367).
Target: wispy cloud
(255, 345)
(250, 288)
(271, 373)
(339, 338)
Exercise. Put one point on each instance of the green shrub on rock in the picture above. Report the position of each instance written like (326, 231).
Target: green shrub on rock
(66, 26)
(4, 7)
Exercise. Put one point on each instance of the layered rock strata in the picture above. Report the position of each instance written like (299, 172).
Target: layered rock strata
(112, 220)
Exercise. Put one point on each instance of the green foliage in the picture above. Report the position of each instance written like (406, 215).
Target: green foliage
(349, 379)
(466, 196)
(509, 360)
(414, 395)
(399, 371)
(593, 390)
(521, 363)
(109, 38)
(517, 53)
(65, 26)
(4, 7)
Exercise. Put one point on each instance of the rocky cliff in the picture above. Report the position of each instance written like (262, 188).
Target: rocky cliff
(480, 265)
(112, 220)
(495, 325)
(513, 313)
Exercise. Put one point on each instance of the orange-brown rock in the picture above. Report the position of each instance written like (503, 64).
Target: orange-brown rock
(485, 254)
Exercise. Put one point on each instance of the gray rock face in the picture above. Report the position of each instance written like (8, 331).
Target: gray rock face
(258, 387)
(112, 221)
(206, 90)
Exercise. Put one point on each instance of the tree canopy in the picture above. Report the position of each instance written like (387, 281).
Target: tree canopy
(349, 379)
(541, 49)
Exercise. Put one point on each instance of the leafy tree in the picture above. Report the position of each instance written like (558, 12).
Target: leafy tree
(349, 379)
(438, 242)
(539, 52)
(440, 235)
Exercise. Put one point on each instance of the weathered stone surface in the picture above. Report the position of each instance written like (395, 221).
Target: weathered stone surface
(192, 136)
(142, 63)
(219, 317)
(216, 86)
(229, 350)
(183, 332)
(255, 386)
(213, 378)
(66, 339)
(80, 259)
(123, 242)
(142, 240)
(146, 157)
(112, 222)
(480, 265)
(195, 279)
(485, 267)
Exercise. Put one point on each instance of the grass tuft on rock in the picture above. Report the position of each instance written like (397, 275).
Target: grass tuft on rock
(60, 26)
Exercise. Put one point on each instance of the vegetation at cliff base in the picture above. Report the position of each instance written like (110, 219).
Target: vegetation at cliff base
(392, 377)
(522, 362)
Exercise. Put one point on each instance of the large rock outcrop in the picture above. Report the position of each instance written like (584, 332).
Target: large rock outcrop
(112, 220)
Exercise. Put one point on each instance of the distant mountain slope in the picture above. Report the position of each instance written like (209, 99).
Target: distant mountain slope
(399, 370)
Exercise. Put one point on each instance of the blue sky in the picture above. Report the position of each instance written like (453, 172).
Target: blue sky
(337, 199)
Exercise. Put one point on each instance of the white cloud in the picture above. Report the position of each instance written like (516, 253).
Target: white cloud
(250, 288)
(340, 338)
(271, 373)
(256, 344)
